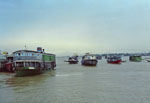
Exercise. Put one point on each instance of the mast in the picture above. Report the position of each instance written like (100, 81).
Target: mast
(25, 47)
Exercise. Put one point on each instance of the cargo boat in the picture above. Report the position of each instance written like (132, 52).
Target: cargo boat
(28, 62)
(114, 60)
(89, 60)
(135, 58)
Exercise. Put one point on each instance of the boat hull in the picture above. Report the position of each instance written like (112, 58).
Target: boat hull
(73, 62)
(9, 67)
(136, 60)
(114, 62)
(27, 72)
(89, 62)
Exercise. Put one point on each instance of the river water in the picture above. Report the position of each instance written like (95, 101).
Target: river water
(128, 82)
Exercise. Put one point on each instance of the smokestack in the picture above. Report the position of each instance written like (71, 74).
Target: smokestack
(39, 49)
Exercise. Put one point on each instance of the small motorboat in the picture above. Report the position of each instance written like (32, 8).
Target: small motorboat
(148, 60)
(114, 60)
(135, 58)
(73, 60)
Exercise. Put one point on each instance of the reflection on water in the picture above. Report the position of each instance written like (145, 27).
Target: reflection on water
(18, 89)
(105, 83)
(28, 80)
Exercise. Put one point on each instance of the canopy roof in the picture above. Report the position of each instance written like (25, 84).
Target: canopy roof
(32, 52)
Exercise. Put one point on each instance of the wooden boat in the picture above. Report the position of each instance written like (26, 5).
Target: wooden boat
(28, 62)
(135, 58)
(73, 60)
(114, 60)
(89, 60)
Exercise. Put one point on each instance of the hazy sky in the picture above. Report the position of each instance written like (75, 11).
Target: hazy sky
(75, 26)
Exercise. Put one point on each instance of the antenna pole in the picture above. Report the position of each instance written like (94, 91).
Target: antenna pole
(25, 46)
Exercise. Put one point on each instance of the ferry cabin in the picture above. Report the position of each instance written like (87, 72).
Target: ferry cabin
(89, 57)
(33, 60)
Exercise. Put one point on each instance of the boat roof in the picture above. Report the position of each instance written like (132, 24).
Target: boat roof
(11, 55)
(136, 56)
(27, 61)
(32, 52)
(111, 57)
(89, 55)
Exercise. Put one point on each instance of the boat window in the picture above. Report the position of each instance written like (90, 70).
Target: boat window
(27, 64)
(18, 54)
(40, 55)
(29, 54)
(37, 64)
(23, 54)
(32, 64)
(19, 64)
